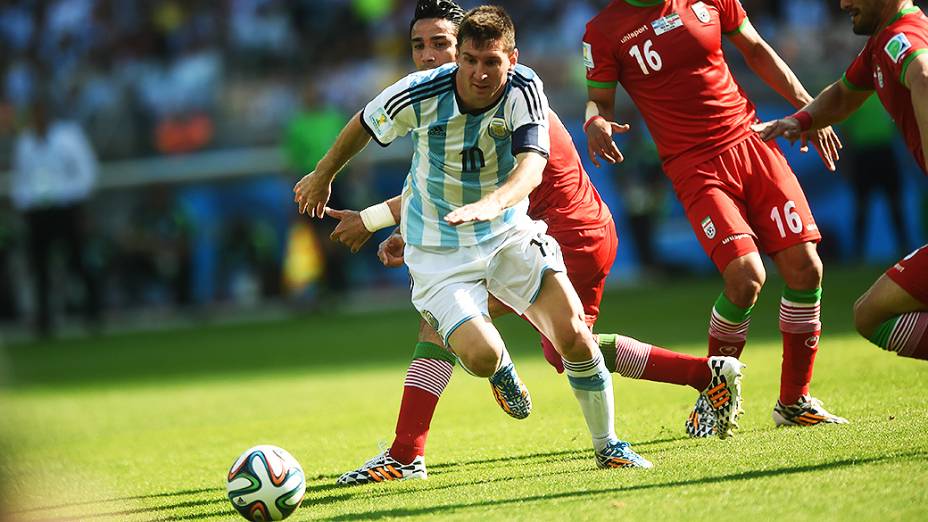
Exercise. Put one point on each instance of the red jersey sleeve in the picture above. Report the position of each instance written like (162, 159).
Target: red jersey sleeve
(731, 15)
(602, 69)
(902, 48)
(859, 75)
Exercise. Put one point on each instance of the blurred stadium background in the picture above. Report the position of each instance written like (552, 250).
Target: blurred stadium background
(202, 114)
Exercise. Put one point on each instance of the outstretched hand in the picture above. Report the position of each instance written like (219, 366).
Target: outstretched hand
(599, 140)
(312, 193)
(825, 140)
(390, 250)
(483, 210)
(350, 230)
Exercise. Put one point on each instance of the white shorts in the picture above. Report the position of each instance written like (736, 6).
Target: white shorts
(450, 285)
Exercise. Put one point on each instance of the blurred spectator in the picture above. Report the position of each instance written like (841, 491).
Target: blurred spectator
(307, 138)
(873, 168)
(154, 257)
(54, 172)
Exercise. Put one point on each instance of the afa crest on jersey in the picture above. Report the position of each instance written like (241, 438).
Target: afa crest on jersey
(701, 12)
(897, 46)
(708, 227)
(497, 129)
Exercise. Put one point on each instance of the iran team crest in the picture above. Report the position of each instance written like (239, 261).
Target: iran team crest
(708, 227)
(701, 12)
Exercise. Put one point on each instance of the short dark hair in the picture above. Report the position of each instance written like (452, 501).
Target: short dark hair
(441, 9)
(487, 23)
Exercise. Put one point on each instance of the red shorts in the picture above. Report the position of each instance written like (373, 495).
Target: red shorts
(588, 255)
(744, 197)
(911, 273)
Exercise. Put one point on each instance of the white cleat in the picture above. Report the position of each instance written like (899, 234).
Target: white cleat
(383, 468)
(807, 411)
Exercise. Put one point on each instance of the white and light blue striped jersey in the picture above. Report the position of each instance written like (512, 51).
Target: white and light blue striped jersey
(458, 157)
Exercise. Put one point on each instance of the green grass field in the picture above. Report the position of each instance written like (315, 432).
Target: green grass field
(145, 426)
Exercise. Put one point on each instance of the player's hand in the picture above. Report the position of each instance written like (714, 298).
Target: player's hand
(312, 193)
(483, 210)
(350, 229)
(599, 140)
(390, 251)
(827, 143)
(789, 128)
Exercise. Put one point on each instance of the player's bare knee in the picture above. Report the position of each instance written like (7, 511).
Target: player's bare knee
(480, 362)
(805, 274)
(576, 344)
(863, 317)
(744, 279)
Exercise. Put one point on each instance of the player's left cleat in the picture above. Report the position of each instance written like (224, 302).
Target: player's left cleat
(701, 422)
(383, 468)
(807, 411)
(510, 393)
(723, 394)
(620, 454)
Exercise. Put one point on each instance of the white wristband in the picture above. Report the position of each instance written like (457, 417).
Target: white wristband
(377, 217)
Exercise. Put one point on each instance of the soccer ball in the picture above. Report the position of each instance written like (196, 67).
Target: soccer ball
(266, 483)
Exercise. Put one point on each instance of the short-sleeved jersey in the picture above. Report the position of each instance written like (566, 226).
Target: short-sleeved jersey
(668, 57)
(458, 157)
(882, 65)
(566, 198)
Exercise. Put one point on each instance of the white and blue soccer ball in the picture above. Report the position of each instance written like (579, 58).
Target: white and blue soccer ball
(266, 483)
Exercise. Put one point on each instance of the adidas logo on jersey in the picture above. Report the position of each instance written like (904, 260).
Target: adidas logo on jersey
(437, 131)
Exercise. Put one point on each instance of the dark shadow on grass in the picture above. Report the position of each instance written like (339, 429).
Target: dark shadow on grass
(749, 475)
(118, 499)
(137, 511)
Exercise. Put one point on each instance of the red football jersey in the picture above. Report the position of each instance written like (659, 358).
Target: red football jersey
(668, 57)
(566, 198)
(882, 65)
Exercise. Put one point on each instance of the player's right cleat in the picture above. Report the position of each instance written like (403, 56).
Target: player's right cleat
(384, 468)
(620, 454)
(719, 405)
(807, 411)
(701, 421)
(510, 393)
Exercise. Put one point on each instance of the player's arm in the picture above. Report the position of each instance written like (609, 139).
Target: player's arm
(916, 79)
(833, 105)
(313, 191)
(600, 125)
(355, 228)
(521, 182)
(768, 65)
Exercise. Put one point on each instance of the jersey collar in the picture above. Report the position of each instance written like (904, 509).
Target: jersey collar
(645, 3)
(900, 14)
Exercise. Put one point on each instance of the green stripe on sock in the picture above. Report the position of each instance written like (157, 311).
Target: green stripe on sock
(802, 296)
(730, 311)
(881, 336)
(607, 346)
(433, 351)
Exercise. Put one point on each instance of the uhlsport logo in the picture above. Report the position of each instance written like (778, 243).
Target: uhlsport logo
(878, 74)
(812, 341)
(708, 227)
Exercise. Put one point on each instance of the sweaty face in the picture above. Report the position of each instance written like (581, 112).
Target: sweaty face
(483, 72)
(433, 43)
(865, 14)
